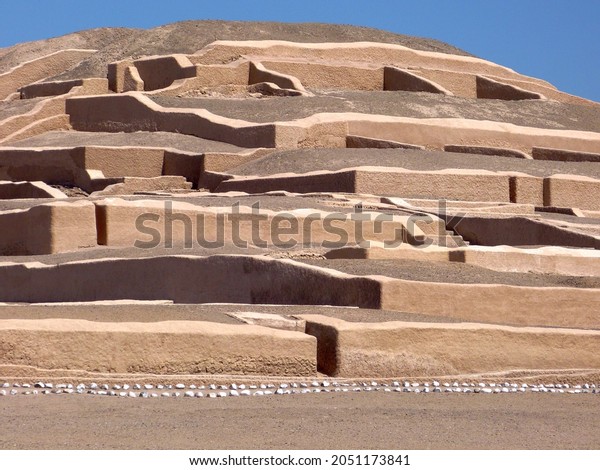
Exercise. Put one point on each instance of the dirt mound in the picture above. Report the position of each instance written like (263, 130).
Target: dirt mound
(90, 39)
(189, 36)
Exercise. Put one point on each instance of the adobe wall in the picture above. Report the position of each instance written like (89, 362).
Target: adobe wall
(235, 73)
(51, 165)
(38, 69)
(224, 161)
(28, 190)
(369, 52)
(466, 185)
(547, 260)
(431, 205)
(253, 279)
(133, 185)
(161, 71)
(186, 279)
(436, 133)
(186, 164)
(145, 223)
(143, 162)
(47, 228)
(328, 76)
(319, 65)
(316, 181)
(47, 115)
(458, 83)
(509, 305)
(92, 167)
(116, 72)
(395, 79)
(492, 89)
(258, 73)
(572, 191)
(548, 91)
(134, 112)
(60, 122)
(171, 347)
(495, 151)
(518, 231)
(43, 110)
(215, 75)
(542, 260)
(469, 185)
(432, 349)
(560, 155)
(92, 86)
(360, 142)
(525, 189)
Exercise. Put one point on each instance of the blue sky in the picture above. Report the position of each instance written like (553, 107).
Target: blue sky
(551, 39)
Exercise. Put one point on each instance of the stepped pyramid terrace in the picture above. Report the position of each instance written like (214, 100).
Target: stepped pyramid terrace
(206, 204)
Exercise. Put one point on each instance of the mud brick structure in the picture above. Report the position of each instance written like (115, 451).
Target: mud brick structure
(235, 203)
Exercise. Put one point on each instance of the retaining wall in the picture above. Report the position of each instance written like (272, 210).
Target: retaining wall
(93, 167)
(145, 223)
(171, 347)
(394, 349)
(518, 231)
(543, 260)
(186, 279)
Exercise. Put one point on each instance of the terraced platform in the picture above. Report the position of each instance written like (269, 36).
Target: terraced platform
(282, 202)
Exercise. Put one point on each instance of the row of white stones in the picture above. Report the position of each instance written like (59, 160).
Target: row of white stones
(325, 386)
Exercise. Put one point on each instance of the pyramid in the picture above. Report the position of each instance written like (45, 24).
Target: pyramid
(256, 200)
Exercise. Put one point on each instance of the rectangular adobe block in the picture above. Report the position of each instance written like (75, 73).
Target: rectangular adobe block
(495, 303)
(526, 189)
(575, 191)
(463, 185)
(323, 76)
(48, 228)
(171, 347)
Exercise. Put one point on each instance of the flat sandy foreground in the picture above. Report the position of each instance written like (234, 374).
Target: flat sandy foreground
(350, 421)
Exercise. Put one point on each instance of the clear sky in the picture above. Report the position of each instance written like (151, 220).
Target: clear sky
(557, 40)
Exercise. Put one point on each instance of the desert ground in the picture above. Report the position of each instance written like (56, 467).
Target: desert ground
(357, 421)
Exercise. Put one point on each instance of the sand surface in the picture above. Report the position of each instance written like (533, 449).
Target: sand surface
(200, 312)
(184, 142)
(306, 160)
(347, 421)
